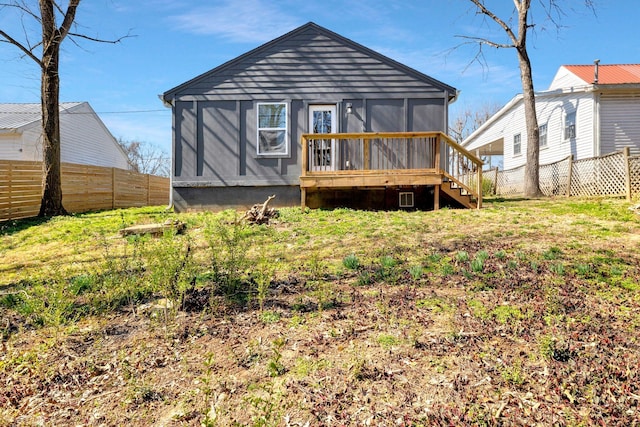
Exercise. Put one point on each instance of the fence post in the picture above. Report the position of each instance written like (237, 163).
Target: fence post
(495, 182)
(570, 177)
(627, 167)
(148, 190)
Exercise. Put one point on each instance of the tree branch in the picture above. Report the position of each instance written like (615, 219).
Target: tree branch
(94, 39)
(483, 10)
(23, 7)
(11, 40)
(481, 40)
(69, 17)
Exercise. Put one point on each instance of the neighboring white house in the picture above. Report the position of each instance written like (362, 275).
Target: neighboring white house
(588, 111)
(84, 138)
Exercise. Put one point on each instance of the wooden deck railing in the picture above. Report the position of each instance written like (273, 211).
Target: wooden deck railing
(340, 156)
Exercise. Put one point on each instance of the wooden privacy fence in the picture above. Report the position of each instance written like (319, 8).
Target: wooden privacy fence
(615, 174)
(84, 188)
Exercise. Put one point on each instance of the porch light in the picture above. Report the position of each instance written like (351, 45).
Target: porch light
(349, 108)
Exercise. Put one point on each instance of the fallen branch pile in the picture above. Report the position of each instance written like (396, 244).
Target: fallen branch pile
(261, 213)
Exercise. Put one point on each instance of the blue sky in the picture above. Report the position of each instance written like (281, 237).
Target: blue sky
(176, 40)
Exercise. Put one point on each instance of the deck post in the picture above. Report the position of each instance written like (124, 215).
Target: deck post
(479, 187)
(366, 152)
(305, 155)
(437, 154)
(305, 166)
(436, 198)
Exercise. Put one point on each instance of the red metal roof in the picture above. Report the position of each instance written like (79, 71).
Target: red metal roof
(612, 74)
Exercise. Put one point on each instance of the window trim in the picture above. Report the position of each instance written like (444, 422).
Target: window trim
(278, 154)
(540, 134)
(409, 199)
(569, 135)
(519, 136)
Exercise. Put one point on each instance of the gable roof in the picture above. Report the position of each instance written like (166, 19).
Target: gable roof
(608, 74)
(16, 116)
(283, 40)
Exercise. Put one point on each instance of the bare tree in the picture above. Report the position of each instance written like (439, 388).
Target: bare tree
(46, 53)
(469, 119)
(146, 158)
(517, 36)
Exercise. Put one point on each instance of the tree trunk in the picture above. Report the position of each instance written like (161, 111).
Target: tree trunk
(51, 202)
(532, 167)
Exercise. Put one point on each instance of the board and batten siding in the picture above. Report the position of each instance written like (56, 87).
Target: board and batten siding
(215, 114)
(619, 123)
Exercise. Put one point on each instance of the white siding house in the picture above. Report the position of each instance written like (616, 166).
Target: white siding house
(588, 111)
(84, 137)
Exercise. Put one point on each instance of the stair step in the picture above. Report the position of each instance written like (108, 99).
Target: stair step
(456, 193)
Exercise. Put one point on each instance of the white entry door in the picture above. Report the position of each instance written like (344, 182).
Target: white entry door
(322, 152)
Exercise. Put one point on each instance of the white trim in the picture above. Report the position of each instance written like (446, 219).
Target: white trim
(546, 135)
(519, 136)
(573, 132)
(409, 201)
(333, 108)
(285, 143)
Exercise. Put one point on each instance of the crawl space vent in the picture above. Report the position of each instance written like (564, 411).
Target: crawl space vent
(406, 199)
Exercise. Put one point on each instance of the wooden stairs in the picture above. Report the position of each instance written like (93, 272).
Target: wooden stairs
(458, 194)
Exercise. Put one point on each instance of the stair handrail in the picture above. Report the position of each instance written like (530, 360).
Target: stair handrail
(455, 176)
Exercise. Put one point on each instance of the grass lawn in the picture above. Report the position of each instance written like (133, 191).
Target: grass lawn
(526, 312)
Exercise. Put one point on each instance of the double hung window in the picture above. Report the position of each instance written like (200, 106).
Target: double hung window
(517, 145)
(570, 125)
(272, 129)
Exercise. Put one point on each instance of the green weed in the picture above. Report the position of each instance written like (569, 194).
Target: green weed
(263, 275)
(351, 262)
(387, 341)
(275, 368)
(506, 313)
(552, 253)
(435, 304)
(228, 248)
(270, 316)
(462, 256)
(416, 272)
(513, 374)
(169, 266)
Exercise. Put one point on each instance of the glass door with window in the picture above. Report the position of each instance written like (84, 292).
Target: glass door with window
(322, 152)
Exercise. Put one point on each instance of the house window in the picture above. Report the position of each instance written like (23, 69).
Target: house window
(517, 145)
(272, 129)
(570, 125)
(542, 133)
(406, 199)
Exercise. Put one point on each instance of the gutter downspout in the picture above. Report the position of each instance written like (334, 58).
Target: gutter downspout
(170, 105)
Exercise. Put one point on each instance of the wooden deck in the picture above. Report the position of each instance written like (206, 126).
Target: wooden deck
(394, 159)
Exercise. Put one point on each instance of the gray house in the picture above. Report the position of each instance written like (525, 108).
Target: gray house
(238, 130)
